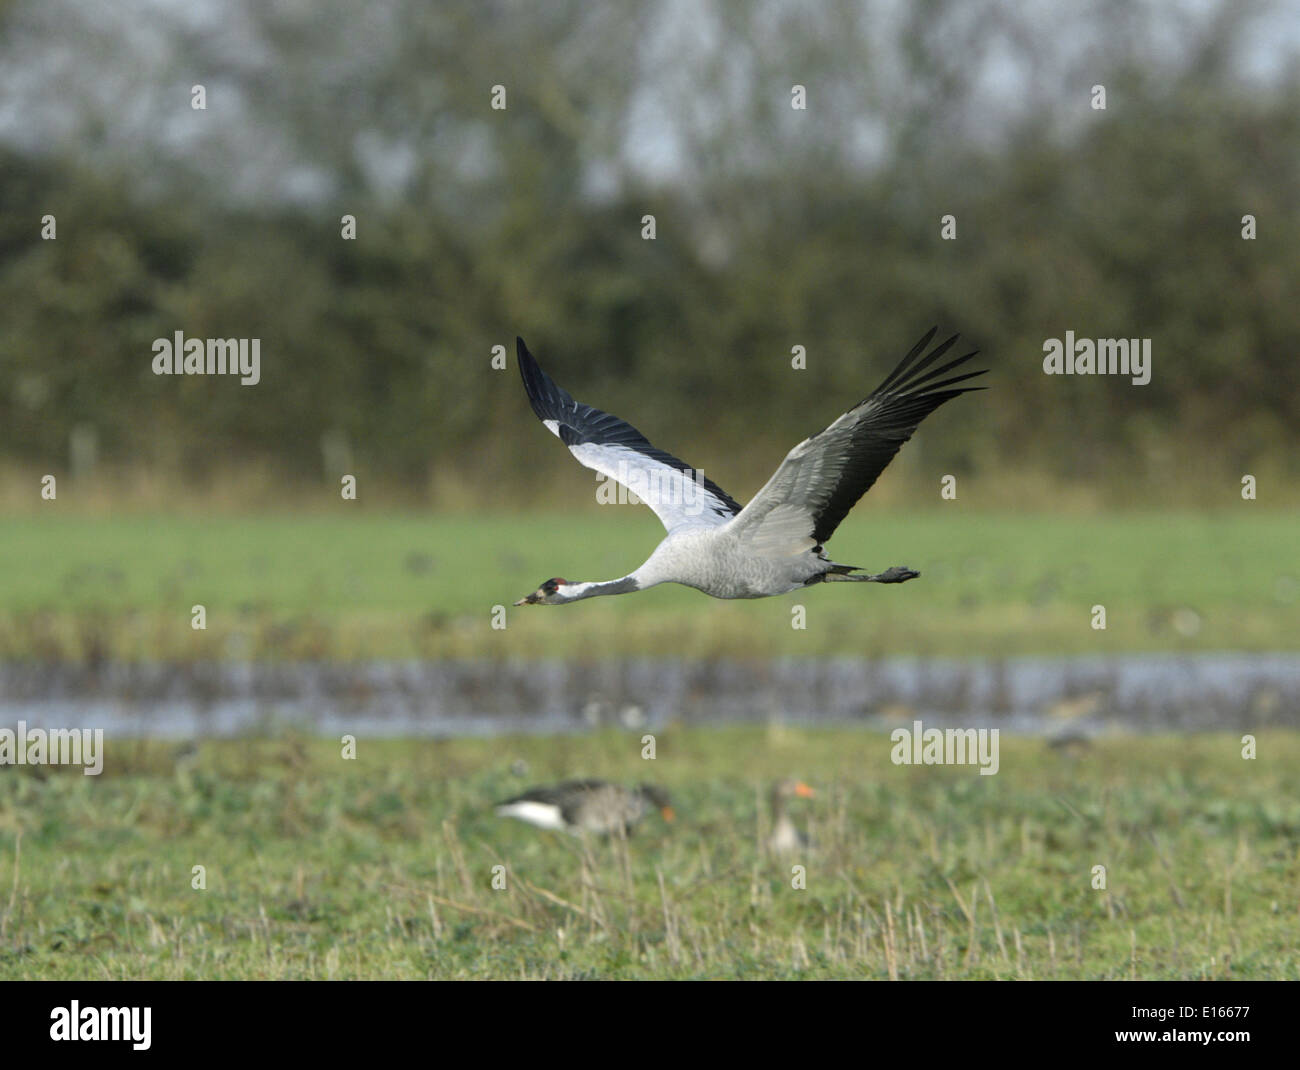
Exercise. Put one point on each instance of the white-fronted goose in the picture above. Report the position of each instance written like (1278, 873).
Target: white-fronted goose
(578, 806)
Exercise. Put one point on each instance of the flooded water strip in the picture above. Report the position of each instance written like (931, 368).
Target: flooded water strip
(1054, 697)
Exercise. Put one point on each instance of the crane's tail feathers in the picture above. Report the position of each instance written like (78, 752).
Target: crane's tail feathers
(897, 574)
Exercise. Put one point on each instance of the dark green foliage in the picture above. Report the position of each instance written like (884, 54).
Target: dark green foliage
(774, 232)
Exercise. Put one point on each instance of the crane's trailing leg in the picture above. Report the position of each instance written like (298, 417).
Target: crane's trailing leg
(897, 574)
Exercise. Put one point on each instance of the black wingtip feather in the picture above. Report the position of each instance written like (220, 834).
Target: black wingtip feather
(912, 354)
(548, 399)
(521, 353)
(932, 387)
(912, 376)
(936, 372)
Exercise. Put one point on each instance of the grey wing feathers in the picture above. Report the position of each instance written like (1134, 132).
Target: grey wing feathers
(823, 477)
(887, 419)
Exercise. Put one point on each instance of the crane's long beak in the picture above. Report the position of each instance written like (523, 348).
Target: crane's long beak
(527, 600)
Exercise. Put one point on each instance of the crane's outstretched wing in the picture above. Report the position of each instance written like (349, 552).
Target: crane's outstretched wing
(678, 493)
(823, 477)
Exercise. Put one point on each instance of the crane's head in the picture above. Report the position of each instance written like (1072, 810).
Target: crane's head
(548, 594)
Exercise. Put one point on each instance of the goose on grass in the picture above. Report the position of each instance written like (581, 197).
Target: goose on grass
(775, 544)
(579, 806)
(785, 836)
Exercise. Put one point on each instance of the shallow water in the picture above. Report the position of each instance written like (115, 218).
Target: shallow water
(1054, 697)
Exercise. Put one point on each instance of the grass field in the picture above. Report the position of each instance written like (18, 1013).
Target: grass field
(382, 867)
(356, 584)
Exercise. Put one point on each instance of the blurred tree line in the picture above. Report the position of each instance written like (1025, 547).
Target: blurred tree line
(776, 228)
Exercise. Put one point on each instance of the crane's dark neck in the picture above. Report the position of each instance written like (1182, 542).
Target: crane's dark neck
(572, 592)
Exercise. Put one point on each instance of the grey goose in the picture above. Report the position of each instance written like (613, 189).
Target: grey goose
(579, 806)
(785, 837)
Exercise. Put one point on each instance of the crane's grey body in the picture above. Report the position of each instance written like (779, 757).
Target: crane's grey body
(720, 562)
(774, 544)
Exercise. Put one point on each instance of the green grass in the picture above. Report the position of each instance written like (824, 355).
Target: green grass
(382, 866)
(357, 584)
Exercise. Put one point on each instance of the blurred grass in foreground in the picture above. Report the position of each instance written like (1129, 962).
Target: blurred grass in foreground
(365, 585)
(382, 867)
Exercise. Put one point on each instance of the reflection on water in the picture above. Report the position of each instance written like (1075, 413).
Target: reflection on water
(1058, 697)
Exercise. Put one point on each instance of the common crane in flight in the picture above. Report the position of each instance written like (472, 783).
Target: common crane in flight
(775, 544)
